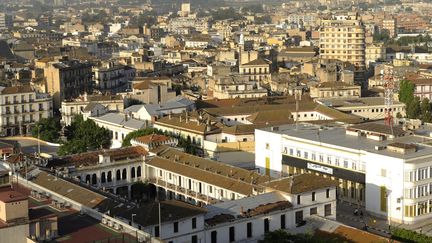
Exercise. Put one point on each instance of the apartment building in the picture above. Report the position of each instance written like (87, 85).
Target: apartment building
(71, 108)
(390, 25)
(236, 86)
(6, 21)
(374, 53)
(386, 170)
(21, 108)
(66, 79)
(343, 38)
(256, 70)
(111, 78)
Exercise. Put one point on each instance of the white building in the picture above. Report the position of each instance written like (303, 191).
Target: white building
(386, 170)
(119, 125)
(368, 108)
(21, 107)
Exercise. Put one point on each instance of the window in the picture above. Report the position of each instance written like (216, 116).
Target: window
(327, 193)
(313, 157)
(210, 189)
(194, 239)
(327, 210)
(282, 221)
(175, 227)
(291, 151)
(383, 172)
(313, 211)
(298, 199)
(298, 153)
(346, 163)
(214, 236)
(299, 217)
(267, 146)
(305, 155)
(156, 229)
(313, 196)
(249, 229)
(231, 234)
(193, 223)
(266, 225)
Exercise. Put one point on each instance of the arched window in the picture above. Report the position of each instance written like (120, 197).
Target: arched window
(133, 172)
(124, 174)
(94, 179)
(87, 180)
(109, 176)
(139, 171)
(103, 177)
(118, 175)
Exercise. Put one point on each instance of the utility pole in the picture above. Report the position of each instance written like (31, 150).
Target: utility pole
(297, 96)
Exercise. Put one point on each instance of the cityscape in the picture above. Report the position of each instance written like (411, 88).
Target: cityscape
(214, 121)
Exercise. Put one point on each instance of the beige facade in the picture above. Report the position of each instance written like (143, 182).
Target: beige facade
(66, 79)
(343, 38)
(391, 26)
(256, 70)
(335, 90)
(12, 210)
(374, 53)
(21, 107)
(151, 92)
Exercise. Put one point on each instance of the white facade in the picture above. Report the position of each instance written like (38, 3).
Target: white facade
(21, 107)
(391, 177)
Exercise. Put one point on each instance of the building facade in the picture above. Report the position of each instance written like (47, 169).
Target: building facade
(21, 108)
(343, 38)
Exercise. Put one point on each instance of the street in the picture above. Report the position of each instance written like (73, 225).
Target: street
(30, 145)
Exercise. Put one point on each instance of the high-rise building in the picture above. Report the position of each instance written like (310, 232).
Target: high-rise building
(185, 9)
(390, 26)
(6, 21)
(343, 38)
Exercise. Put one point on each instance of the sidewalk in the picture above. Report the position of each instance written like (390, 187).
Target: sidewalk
(345, 214)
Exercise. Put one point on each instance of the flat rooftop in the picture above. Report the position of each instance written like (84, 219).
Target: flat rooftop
(336, 136)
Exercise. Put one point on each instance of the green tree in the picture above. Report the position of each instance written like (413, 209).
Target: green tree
(406, 91)
(282, 236)
(139, 133)
(83, 136)
(413, 108)
(47, 129)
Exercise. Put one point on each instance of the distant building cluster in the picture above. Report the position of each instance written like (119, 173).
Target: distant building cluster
(214, 123)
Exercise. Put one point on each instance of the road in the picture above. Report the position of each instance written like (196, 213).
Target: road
(30, 145)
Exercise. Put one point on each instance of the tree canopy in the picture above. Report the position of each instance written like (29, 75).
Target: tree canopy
(282, 236)
(83, 136)
(49, 129)
(406, 91)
